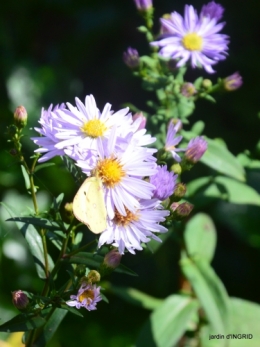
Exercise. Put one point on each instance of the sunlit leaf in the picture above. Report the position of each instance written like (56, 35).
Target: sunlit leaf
(220, 159)
(168, 322)
(200, 236)
(22, 322)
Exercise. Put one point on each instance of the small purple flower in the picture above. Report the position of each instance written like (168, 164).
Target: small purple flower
(131, 58)
(143, 5)
(195, 150)
(164, 181)
(212, 10)
(88, 296)
(172, 141)
(233, 82)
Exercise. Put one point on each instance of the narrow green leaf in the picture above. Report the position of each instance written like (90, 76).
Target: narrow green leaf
(41, 222)
(26, 178)
(57, 202)
(198, 127)
(200, 236)
(22, 322)
(220, 159)
(34, 241)
(95, 260)
(168, 322)
(135, 297)
(50, 327)
(43, 166)
(209, 290)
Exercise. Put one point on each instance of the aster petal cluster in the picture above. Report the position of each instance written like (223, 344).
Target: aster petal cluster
(194, 37)
(114, 148)
(88, 296)
(172, 141)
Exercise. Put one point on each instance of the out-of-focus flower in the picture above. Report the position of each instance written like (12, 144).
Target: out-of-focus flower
(143, 5)
(20, 300)
(88, 296)
(212, 10)
(180, 191)
(20, 117)
(193, 38)
(93, 276)
(188, 89)
(195, 149)
(233, 82)
(181, 211)
(130, 230)
(172, 141)
(164, 181)
(131, 58)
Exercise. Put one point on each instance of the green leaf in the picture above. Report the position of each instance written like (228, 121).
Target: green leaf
(198, 127)
(244, 319)
(35, 243)
(57, 202)
(94, 261)
(200, 236)
(22, 322)
(26, 178)
(38, 221)
(43, 166)
(50, 327)
(220, 159)
(168, 322)
(134, 296)
(148, 61)
(237, 192)
(73, 310)
(209, 290)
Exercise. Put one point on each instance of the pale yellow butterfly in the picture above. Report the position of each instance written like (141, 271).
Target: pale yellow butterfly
(89, 205)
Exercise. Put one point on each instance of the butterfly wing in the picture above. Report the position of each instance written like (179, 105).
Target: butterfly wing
(89, 205)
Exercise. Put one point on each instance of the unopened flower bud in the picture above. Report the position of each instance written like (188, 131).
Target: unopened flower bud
(183, 210)
(195, 150)
(206, 83)
(112, 259)
(176, 168)
(143, 5)
(180, 191)
(131, 58)
(80, 270)
(20, 300)
(141, 118)
(93, 276)
(69, 211)
(212, 10)
(20, 117)
(188, 89)
(233, 82)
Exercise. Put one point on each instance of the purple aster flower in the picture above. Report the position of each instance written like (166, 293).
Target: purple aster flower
(130, 230)
(195, 150)
(164, 181)
(172, 141)
(131, 58)
(233, 82)
(143, 5)
(50, 126)
(88, 296)
(212, 10)
(193, 38)
(85, 126)
(121, 172)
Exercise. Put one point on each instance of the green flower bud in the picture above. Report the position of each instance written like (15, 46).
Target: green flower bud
(93, 276)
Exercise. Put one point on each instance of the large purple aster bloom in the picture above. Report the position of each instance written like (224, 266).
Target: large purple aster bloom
(193, 38)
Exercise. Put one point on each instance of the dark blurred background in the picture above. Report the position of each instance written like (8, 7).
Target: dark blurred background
(54, 50)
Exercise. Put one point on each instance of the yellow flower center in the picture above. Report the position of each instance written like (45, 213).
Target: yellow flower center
(87, 294)
(110, 171)
(94, 128)
(192, 42)
(127, 219)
